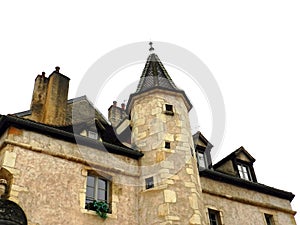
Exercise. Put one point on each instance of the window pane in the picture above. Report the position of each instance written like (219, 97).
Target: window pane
(149, 182)
(200, 157)
(244, 172)
(101, 195)
(101, 184)
(91, 181)
(214, 217)
(90, 192)
(269, 219)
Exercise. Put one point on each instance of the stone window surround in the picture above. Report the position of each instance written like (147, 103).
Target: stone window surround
(113, 203)
(221, 214)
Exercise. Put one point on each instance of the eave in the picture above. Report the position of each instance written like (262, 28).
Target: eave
(8, 121)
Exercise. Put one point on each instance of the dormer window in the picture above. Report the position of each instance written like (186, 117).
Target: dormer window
(239, 164)
(201, 159)
(92, 135)
(244, 172)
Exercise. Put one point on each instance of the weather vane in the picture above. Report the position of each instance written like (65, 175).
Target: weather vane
(151, 49)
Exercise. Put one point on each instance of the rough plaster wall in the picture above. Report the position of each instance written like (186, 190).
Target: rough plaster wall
(234, 211)
(50, 189)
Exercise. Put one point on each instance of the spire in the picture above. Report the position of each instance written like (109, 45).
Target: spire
(155, 75)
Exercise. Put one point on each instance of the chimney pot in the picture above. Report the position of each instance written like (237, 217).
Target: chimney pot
(57, 69)
(115, 103)
(123, 106)
(43, 74)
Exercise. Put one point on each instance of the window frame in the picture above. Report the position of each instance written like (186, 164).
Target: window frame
(92, 134)
(95, 196)
(244, 171)
(149, 182)
(217, 214)
(203, 159)
(269, 219)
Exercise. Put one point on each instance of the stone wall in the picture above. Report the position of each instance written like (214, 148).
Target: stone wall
(247, 206)
(49, 180)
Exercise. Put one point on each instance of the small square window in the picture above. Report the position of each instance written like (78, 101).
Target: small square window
(149, 182)
(169, 109)
(167, 145)
(269, 219)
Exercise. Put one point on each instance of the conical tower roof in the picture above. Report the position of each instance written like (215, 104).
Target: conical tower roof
(155, 75)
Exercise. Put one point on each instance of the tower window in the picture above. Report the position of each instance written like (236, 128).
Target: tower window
(214, 217)
(167, 145)
(244, 172)
(97, 188)
(169, 109)
(149, 182)
(269, 219)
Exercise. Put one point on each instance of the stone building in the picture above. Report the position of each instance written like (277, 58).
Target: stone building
(62, 159)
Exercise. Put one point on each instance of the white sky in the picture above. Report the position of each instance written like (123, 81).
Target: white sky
(251, 47)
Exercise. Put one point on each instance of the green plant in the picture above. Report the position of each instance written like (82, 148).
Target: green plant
(101, 208)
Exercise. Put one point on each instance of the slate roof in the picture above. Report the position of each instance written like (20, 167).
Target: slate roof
(233, 155)
(64, 133)
(81, 115)
(236, 181)
(155, 75)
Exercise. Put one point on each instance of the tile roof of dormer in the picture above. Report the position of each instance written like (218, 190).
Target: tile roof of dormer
(155, 75)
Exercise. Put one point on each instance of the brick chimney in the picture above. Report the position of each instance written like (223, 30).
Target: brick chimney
(49, 99)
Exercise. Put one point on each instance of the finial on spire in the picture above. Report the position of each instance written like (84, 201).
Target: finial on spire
(151, 49)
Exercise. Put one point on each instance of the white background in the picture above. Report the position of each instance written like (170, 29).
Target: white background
(251, 47)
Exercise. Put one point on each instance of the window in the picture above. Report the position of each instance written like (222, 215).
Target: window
(167, 145)
(92, 135)
(169, 109)
(244, 172)
(97, 188)
(214, 217)
(149, 182)
(201, 159)
(269, 219)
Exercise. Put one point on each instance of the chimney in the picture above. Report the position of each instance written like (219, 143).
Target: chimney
(39, 97)
(49, 101)
(123, 106)
(57, 96)
(116, 114)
